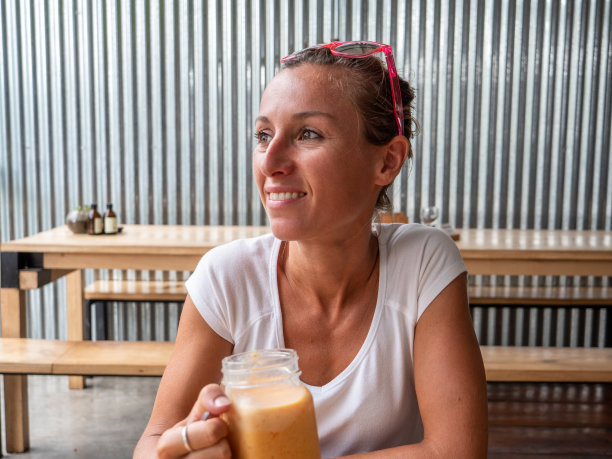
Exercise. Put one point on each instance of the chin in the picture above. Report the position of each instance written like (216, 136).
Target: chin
(287, 230)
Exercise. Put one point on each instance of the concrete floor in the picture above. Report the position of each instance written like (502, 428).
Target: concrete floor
(103, 421)
(107, 418)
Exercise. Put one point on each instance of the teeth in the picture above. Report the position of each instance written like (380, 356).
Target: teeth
(285, 196)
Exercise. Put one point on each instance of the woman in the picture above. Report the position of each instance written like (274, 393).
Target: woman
(379, 318)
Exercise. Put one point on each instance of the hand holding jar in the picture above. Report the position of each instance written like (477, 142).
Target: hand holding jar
(271, 413)
(203, 429)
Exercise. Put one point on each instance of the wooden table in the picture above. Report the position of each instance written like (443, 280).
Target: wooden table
(36, 260)
(537, 252)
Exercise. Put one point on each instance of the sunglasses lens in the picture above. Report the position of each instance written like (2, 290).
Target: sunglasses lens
(357, 49)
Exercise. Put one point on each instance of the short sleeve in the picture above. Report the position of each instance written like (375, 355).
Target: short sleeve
(441, 263)
(230, 287)
(206, 293)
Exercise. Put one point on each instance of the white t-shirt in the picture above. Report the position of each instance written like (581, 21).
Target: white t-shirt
(372, 404)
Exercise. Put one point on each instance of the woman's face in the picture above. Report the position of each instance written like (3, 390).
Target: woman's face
(315, 172)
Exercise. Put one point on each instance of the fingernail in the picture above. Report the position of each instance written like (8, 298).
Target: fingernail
(222, 401)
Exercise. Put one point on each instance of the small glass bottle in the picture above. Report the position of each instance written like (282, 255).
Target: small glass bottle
(272, 413)
(94, 220)
(110, 220)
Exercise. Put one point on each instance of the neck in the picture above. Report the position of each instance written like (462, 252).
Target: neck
(331, 274)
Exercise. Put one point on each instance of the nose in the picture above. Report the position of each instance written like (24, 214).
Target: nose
(277, 157)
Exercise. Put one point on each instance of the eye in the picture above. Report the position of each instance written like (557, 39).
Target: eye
(309, 134)
(262, 137)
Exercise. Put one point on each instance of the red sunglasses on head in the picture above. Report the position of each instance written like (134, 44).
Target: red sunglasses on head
(359, 49)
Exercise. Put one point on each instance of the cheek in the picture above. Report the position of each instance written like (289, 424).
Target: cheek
(257, 174)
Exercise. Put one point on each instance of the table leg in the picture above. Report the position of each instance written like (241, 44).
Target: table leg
(75, 315)
(15, 386)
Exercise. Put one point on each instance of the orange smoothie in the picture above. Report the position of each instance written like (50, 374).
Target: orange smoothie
(272, 421)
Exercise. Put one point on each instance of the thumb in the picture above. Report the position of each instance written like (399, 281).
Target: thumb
(211, 401)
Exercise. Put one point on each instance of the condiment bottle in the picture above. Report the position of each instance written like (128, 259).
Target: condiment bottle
(272, 412)
(94, 220)
(110, 220)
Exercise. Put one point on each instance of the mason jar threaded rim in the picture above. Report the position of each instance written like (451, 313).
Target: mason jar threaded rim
(260, 367)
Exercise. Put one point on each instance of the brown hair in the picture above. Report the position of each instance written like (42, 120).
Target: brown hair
(370, 91)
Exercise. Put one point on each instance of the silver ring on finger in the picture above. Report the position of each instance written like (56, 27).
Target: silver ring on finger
(186, 439)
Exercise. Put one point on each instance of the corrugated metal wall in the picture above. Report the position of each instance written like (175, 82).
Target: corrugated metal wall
(150, 105)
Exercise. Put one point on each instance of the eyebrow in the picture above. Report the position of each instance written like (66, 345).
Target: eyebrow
(300, 115)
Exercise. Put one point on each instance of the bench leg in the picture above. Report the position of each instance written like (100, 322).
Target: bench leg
(104, 321)
(12, 301)
(75, 316)
(97, 310)
(89, 333)
(16, 413)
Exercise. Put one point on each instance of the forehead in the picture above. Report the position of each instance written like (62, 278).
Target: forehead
(308, 85)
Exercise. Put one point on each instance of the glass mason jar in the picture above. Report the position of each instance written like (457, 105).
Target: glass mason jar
(272, 413)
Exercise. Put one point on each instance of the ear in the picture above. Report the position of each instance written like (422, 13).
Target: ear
(393, 156)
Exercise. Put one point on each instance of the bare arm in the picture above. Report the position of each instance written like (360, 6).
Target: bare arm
(194, 364)
(450, 381)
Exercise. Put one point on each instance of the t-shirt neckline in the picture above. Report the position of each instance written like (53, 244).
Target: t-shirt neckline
(367, 343)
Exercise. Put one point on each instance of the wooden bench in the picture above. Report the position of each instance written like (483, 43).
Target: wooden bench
(102, 291)
(109, 358)
(544, 296)
(22, 356)
(502, 363)
(132, 290)
(149, 358)
(547, 364)
(556, 316)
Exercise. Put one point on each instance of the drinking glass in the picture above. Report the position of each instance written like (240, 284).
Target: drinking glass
(429, 214)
